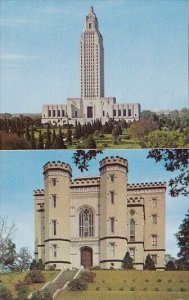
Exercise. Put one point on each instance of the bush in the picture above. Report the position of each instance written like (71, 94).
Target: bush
(77, 285)
(34, 276)
(132, 289)
(156, 288)
(109, 289)
(170, 280)
(121, 289)
(97, 288)
(42, 295)
(145, 289)
(5, 294)
(88, 276)
(182, 289)
(52, 267)
(169, 289)
(20, 284)
(22, 293)
(159, 280)
(146, 280)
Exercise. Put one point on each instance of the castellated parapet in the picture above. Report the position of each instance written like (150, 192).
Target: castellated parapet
(57, 166)
(95, 220)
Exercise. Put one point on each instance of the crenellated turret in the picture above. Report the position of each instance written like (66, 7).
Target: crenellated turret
(113, 211)
(57, 177)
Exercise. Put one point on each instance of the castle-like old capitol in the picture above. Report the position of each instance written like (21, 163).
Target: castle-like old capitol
(92, 104)
(94, 221)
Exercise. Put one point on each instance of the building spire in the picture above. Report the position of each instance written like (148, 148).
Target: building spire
(91, 20)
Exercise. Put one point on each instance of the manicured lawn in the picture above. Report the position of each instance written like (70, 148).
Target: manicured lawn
(134, 285)
(10, 279)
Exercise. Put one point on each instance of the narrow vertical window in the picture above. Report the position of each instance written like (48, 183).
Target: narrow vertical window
(112, 225)
(54, 113)
(154, 240)
(112, 197)
(53, 181)
(58, 112)
(132, 230)
(112, 249)
(54, 200)
(114, 112)
(124, 112)
(154, 202)
(132, 253)
(112, 177)
(154, 219)
(49, 113)
(86, 223)
(129, 112)
(54, 227)
(54, 250)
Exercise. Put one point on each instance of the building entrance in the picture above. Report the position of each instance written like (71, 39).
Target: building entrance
(89, 112)
(86, 257)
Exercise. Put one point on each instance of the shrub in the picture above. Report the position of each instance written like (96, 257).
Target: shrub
(77, 285)
(22, 293)
(34, 276)
(97, 288)
(95, 268)
(109, 289)
(169, 289)
(42, 295)
(146, 280)
(52, 267)
(145, 289)
(156, 288)
(170, 280)
(132, 288)
(88, 276)
(121, 289)
(182, 289)
(5, 294)
(103, 281)
(159, 280)
(19, 285)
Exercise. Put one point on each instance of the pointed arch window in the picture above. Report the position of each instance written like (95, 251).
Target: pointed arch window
(86, 223)
(132, 230)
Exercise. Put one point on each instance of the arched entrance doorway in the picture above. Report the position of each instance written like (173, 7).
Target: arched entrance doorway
(86, 257)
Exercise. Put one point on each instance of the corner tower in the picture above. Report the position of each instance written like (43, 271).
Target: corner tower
(57, 176)
(91, 59)
(113, 211)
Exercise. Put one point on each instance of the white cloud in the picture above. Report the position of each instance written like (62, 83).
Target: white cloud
(19, 22)
(16, 57)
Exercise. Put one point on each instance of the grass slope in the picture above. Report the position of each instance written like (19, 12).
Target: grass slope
(10, 279)
(146, 285)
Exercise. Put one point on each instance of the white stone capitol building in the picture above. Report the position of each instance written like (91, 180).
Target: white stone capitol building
(92, 103)
(94, 221)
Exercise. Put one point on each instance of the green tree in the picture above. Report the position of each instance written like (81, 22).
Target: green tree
(32, 139)
(8, 255)
(27, 134)
(165, 139)
(183, 242)
(40, 141)
(90, 143)
(175, 160)
(60, 144)
(149, 263)
(69, 136)
(48, 138)
(127, 261)
(141, 128)
(40, 265)
(115, 134)
(33, 265)
(23, 260)
(170, 266)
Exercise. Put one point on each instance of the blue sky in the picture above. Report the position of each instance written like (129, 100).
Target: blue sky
(145, 45)
(21, 173)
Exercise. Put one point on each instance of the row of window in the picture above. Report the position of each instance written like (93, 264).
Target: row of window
(86, 226)
(57, 113)
(112, 247)
(121, 112)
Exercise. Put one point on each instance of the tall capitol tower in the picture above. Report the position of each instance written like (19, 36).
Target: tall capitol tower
(92, 103)
(91, 59)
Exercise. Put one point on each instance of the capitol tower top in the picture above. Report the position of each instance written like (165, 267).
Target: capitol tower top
(91, 20)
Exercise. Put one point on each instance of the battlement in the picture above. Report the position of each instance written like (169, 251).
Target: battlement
(113, 160)
(38, 192)
(146, 185)
(85, 181)
(57, 165)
